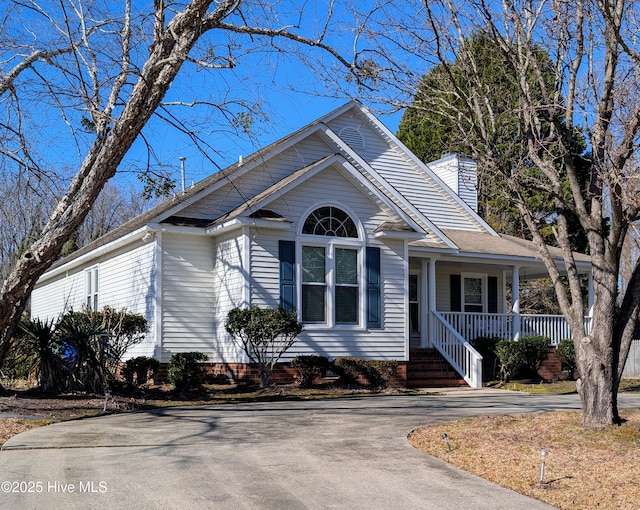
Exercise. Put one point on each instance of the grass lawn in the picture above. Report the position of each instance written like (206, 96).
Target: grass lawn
(584, 468)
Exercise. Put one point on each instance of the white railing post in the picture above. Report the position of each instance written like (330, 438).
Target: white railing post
(515, 298)
(457, 350)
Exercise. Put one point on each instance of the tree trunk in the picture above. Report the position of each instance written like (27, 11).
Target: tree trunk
(595, 387)
(167, 54)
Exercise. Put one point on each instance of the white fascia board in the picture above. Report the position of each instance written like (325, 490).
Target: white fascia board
(425, 168)
(359, 161)
(421, 250)
(98, 252)
(238, 223)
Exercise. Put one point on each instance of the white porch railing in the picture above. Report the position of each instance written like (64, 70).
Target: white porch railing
(473, 325)
(457, 351)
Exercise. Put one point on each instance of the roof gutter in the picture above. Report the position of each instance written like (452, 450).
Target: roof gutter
(139, 234)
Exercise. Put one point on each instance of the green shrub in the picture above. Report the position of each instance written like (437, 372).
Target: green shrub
(536, 351)
(185, 370)
(38, 351)
(522, 358)
(377, 372)
(380, 372)
(94, 343)
(138, 371)
(348, 369)
(566, 353)
(510, 357)
(264, 334)
(309, 367)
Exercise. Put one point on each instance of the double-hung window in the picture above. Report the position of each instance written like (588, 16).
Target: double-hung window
(330, 263)
(91, 288)
(474, 293)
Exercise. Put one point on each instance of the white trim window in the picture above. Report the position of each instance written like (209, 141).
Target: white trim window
(331, 267)
(91, 288)
(474, 292)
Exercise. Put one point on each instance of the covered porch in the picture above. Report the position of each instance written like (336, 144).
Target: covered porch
(452, 302)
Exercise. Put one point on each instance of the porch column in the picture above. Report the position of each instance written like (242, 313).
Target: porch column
(515, 300)
(424, 303)
(432, 298)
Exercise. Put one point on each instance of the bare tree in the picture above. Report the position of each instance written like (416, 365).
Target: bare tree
(590, 102)
(99, 71)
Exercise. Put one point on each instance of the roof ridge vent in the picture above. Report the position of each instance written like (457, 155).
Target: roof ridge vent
(352, 136)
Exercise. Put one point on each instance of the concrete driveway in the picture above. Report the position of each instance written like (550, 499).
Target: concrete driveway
(345, 453)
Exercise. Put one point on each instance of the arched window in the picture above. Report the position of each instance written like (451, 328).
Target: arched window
(329, 275)
(331, 267)
(330, 221)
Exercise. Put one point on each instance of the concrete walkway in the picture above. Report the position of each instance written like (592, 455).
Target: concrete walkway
(343, 454)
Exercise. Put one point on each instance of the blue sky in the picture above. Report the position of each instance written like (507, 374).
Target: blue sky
(293, 84)
(292, 95)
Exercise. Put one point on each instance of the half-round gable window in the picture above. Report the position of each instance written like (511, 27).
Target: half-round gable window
(352, 136)
(330, 221)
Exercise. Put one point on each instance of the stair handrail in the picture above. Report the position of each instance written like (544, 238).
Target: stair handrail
(458, 352)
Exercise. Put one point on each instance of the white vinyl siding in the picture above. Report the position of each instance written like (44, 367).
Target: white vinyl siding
(414, 184)
(58, 295)
(187, 294)
(126, 280)
(443, 284)
(230, 268)
(265, 266)
(385, 343)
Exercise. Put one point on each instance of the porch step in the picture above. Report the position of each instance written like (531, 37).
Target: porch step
(427, 368)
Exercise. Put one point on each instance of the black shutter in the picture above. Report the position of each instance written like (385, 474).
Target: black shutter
(374, 304)
(492, 294)
(455, 283)
(287, 254)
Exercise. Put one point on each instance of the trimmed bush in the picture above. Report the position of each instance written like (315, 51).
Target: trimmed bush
(536, 351)
(522, 358)
(377, 372)
(309, 367)
(348, 369)
(137, 371)
(511, 359)
(185, 370)
(566, 353)
(264, 334)
(380, 372)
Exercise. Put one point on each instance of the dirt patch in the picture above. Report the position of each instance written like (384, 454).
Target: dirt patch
(65, 407)
(34, 411)
(584, 468)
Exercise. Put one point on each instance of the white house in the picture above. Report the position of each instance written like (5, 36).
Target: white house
(377, 252)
